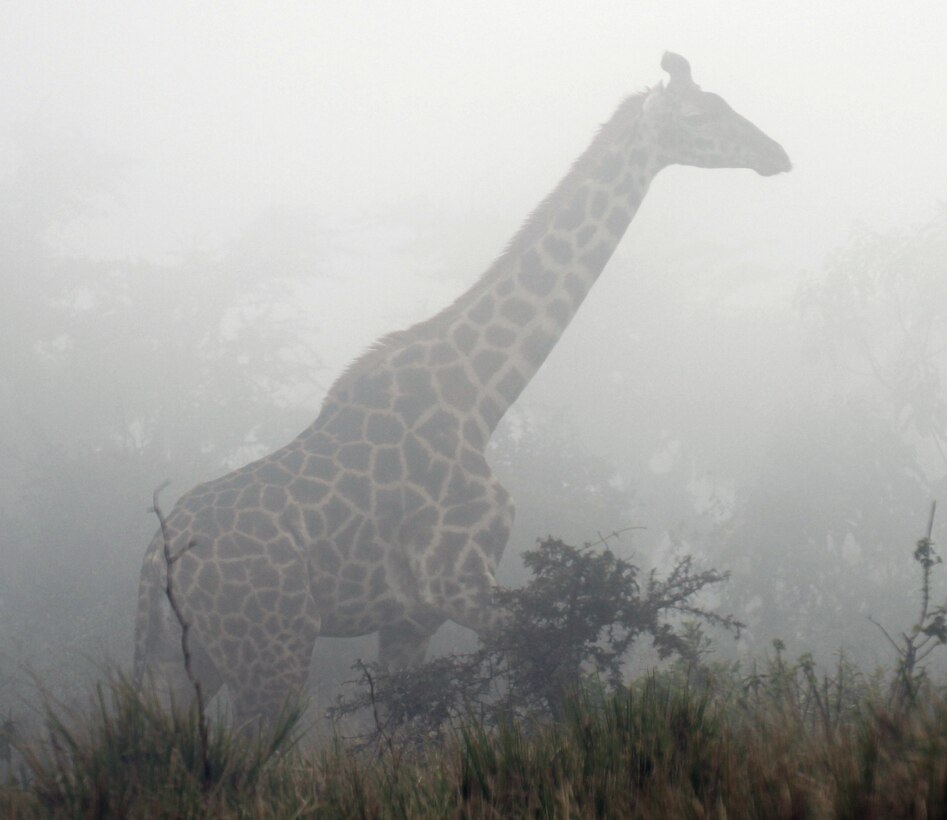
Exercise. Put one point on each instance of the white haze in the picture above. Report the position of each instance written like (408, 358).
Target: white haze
(415, 137)
(471, 113)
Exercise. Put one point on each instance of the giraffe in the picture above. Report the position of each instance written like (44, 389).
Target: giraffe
(383, 515)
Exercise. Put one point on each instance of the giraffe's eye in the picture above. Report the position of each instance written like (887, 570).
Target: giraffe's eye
(698, 116)
(692, 113)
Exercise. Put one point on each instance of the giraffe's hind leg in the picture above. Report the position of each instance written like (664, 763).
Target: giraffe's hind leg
(171, 674)
(267, 678)
(260, 633)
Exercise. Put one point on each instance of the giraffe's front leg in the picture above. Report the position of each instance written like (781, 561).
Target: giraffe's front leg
(404, 644)
(456, 573)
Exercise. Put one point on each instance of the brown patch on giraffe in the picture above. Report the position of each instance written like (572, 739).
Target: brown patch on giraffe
(517, 310)
(275, 499)
(348, 590)
(252, 609)
(411, 408)
(308, 490)
(558, 249)
(345, 537)
(560, 310)
(534, 277)
(599, 204)
(473, 564)
(321, 467)
(293, 460)
(424, 471)
(373, 390)
(617, 221)
(272, 473)
(378, 583)
(444, 556)
(465, 337)
(493, 538)
(609, 166)
(416, 381)
(366, 543)
(475, 464)
(317, 444)
(257, 524)
(387, 466)
(504, 288)
(354, 456)
(440, 433)
(486, 363)
(499, 336)
(584, 236)
(456, 388)
(466, 515)
(282, 553)
(336, 512)
(250, 496)
(536, 346)
(226, 498)
(314, 523)
(347, 426)
(235, 626)
(473, 433)
(442, 353)
(208, 578)
(418, 528)
(490, 412)
(295, 581)
(413, 354)
(461, 489)
(199, 598)
(354, 572)
(595, 258)
(482, 312)
(383, 428)
(225, 518)
(576, 286)
(511, 385)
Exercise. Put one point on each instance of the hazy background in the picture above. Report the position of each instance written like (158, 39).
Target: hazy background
(207, 210)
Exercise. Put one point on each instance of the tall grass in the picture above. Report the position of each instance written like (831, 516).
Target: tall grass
(661, 748)
(130, 755)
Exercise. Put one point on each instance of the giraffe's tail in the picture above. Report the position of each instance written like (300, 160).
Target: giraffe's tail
(150, 616)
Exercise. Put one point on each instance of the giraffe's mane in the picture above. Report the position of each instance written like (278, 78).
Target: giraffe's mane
(536, 222)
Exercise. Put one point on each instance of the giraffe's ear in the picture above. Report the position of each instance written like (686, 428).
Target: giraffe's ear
(678, 68)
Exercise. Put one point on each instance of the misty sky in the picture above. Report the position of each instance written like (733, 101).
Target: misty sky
(469, 114)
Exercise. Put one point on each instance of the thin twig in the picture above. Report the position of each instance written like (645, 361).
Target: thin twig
(185, 629)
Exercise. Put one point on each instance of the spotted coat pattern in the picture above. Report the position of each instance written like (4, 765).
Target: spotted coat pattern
(384, 515)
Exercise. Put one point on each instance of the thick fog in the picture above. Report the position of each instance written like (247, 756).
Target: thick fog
(208, 210)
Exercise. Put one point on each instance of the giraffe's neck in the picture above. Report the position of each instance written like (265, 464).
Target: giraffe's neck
(483, 349)
(509, 321)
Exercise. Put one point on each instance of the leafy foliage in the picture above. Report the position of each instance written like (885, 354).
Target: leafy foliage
(881, 313)
(576, 620)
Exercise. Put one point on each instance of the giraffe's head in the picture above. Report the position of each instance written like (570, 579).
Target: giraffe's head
(695, 127)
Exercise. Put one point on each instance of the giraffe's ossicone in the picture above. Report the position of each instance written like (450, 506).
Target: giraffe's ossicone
(384, 516)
